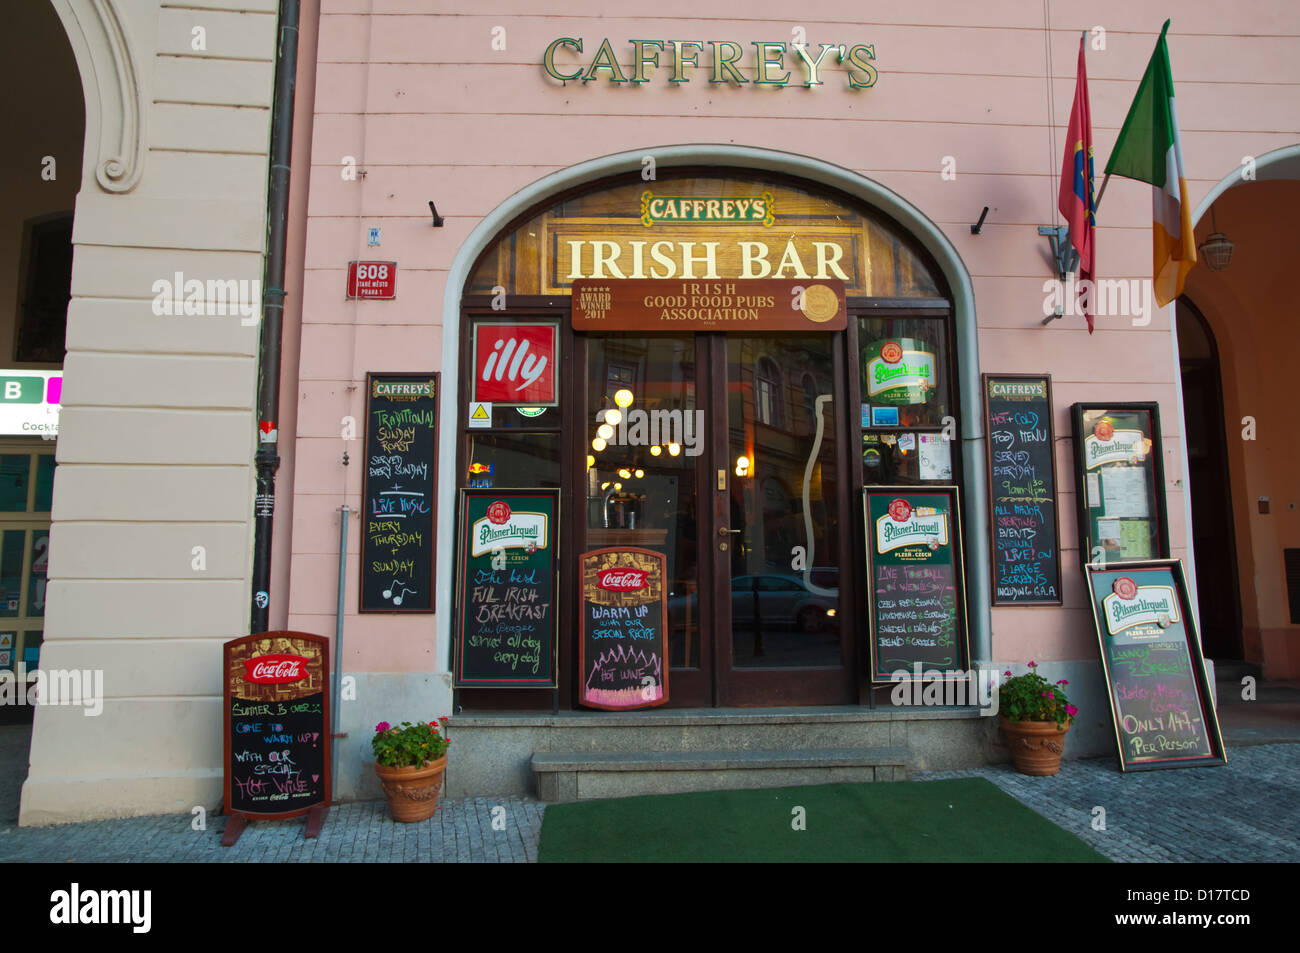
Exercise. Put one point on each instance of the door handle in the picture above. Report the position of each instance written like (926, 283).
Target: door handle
(723, 531)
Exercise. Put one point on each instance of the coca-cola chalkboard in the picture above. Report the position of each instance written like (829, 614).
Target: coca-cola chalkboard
(624, 642)
(1024, 538)
(506, 610)
(398, 496)
(1160, 697)
(277, 743)
(916, 582)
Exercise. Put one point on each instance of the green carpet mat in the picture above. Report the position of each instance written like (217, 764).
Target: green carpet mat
(951, 821)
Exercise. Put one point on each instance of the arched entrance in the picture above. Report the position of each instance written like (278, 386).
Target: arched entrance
(46, 128)
(1244, 308)
(778, 403)
(1213, 534)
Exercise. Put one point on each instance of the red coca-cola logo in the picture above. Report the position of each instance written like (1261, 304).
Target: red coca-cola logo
(275, 669)
(900, 510)
(498, 512)
(1125, 588)
(891, 352)
(621, 580)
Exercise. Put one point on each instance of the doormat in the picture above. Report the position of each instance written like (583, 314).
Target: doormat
(968, 819)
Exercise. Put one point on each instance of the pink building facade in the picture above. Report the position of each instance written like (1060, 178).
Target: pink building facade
(879, 144)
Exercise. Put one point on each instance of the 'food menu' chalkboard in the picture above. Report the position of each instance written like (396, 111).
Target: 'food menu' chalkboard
(398, 499)
(916, 580)
(624, 629)
(277, 743)
(1026, 561)
(506, 611)
(1159, 695)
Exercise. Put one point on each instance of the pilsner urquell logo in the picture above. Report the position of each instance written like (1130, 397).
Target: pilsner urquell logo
(1131, 604)
(897, 368)
(503, 529)
(905, 526)
(1116, 446)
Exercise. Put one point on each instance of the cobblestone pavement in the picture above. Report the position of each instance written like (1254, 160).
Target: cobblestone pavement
(360, 831)
(1243, 811)
(1246, 810)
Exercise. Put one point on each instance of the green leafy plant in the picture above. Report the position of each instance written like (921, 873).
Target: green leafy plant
(1029, 697)
(409, 746)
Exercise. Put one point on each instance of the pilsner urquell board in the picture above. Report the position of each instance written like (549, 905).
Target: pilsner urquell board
(398, 493)
(624, 639)
(506, 611)
(277, 742)
(916, 582)
(1026, 562)
(1160, 698)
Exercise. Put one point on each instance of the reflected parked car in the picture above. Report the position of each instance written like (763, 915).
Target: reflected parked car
(775, 600)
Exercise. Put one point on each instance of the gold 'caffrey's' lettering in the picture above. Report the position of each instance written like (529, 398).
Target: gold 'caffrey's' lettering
(771, 62)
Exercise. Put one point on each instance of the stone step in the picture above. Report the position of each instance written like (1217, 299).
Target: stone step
(580, 775)
(494, 750)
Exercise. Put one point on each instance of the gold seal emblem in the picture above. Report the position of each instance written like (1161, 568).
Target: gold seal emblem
(820, 303)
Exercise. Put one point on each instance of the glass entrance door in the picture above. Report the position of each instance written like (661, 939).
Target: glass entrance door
(724, 452)
(780, 524)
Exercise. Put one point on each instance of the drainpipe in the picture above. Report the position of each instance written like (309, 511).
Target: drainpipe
(268, 370)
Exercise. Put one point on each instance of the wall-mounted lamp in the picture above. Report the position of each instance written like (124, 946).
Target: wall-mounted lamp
(437, 219)
(1217, 249)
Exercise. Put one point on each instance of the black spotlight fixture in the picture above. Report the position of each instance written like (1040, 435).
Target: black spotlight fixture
(437, 219)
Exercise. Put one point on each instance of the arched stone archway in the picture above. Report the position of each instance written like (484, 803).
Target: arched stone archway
(1246, 307)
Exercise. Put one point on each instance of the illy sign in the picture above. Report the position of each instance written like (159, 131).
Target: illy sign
(515, 364)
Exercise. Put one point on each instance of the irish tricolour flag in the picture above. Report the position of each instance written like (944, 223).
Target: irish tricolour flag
(1149, 149)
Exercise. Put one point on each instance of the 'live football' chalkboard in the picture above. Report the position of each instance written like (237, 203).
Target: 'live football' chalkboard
(506, 611)
(1026, 561)
(916, 581)
(277, 743)
(398, 496)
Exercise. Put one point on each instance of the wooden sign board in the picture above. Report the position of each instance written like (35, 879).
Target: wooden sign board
(399, 493)
(1160, 698)
(1025, 539)
(277, 729)
(680, 306)
(1119, 462)
(506, 610)
(916, 581)
(623, 650)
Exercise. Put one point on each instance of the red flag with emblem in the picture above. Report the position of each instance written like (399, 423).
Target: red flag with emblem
(1076, 198)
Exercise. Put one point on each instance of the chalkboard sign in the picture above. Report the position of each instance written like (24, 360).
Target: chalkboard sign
(277, 742)
(398, 498)
(916, 581)
(1155, 674)
(505, 588)
(1025, 537)
(621, 656)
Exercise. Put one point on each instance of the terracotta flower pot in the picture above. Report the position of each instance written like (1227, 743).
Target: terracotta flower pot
(412, 792)
(1036, 746)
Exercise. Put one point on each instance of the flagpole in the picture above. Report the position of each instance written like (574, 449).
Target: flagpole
(1096, 204)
